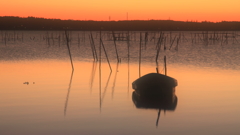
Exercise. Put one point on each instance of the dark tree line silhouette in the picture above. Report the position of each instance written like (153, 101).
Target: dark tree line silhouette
(32, 23)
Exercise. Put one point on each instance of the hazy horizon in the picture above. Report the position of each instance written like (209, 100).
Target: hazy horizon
(116, 20)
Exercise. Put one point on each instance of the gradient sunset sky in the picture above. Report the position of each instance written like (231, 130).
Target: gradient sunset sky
(103, 10)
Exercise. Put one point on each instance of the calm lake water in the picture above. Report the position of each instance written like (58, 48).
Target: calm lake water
(40, 94)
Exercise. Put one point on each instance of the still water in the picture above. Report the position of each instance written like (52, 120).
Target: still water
(40, 94)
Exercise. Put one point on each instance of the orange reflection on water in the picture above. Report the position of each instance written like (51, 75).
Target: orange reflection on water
(207, 97)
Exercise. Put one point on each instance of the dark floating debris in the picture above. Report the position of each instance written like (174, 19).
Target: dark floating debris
(154, 85)
(26, 83)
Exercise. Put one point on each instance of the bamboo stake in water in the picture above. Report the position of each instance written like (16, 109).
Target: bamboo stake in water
(165, 64)
(176, 48)
(172, 42)
(67, 39)
(146, 40)
(106, 54)
(128, 44)
(52, 38)
(59, 40)
(78, 40)
(236, 38)
(94, 48)
(114, 40)
(22, 37)
(140, 53)
(159, 46)
(5, 38)
(84, 36)
(91, 44)
(100, 74)
(14, 36)
(2, 35)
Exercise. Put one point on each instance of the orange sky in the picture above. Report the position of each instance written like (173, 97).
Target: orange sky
(183, 10)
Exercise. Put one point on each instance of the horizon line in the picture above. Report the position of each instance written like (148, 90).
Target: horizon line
(196, 21)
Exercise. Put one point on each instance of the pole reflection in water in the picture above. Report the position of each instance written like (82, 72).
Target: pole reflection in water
(105, 89)
(69, 89)
(115, 78)
(94, 67)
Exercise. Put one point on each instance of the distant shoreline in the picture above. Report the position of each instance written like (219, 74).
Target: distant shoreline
(32, 23)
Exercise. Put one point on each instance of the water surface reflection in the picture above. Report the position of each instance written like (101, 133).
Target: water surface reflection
(165, 103)
(97, 101)
(69, 89)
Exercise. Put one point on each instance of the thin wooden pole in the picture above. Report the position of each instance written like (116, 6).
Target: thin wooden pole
(91, 44)
(94, 48)
(67, 38)
(159, 46)
(106, 55)
(172, 42)
(128, 45)
(100, 78)
(165, 64)
(114, 40)
(140, 53)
